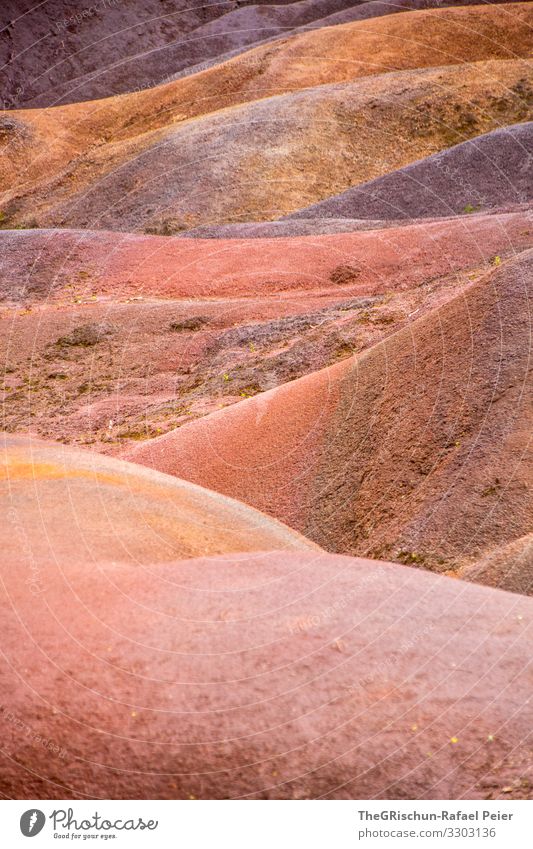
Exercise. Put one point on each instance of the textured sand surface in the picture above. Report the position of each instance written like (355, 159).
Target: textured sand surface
(265, 313)
(276, 675)
(48, 45)
(267, 158)
(64, 505)
(510, 566)
(419, 450)
(484, 173)
(63, 51)
(131, 162)
(110, 339)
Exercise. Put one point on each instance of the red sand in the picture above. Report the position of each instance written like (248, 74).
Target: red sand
(419, 450)
(163, 640)
(272, 675)
(510, 566)
(64, 506)
(58, 263)
(107, 339)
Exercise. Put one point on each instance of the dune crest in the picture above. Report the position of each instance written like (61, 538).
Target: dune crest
(269, 675)
(66, 506)
(403, 453)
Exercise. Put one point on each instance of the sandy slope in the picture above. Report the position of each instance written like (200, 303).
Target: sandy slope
(287, 226)
(63, 51)
(419, 450)
(360, 370)
(64, 506)
(107, 339)
(60, 265)
(487, 172)
(45, 44)
(274, 675)
(262, 159)
(233, 24)
(510, 565)
(434, 37)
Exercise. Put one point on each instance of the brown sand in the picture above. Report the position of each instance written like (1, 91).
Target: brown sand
(267, 675)
(419, 450)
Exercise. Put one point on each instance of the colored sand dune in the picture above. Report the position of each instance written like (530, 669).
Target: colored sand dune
(279, 259)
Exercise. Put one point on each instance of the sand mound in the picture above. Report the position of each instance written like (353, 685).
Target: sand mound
(267, 158)
(286, 227)
(484, 173)
(268, 28)
(56, 53)
(45, 44)
(266, 676)
(42, 142)
(64, 506)
(510, 566)
(74, 266)
(357, 374)
(107, 339)
(422, 39)
(155, 58)
(227, 36)
(419, 450)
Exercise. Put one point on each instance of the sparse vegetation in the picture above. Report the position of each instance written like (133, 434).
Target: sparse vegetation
(250, 391)
(343, 275)
(185, 324)
(87, 335)
(410, 557)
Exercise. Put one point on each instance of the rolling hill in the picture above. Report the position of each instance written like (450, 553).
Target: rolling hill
(419, 450)
(267, 675)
